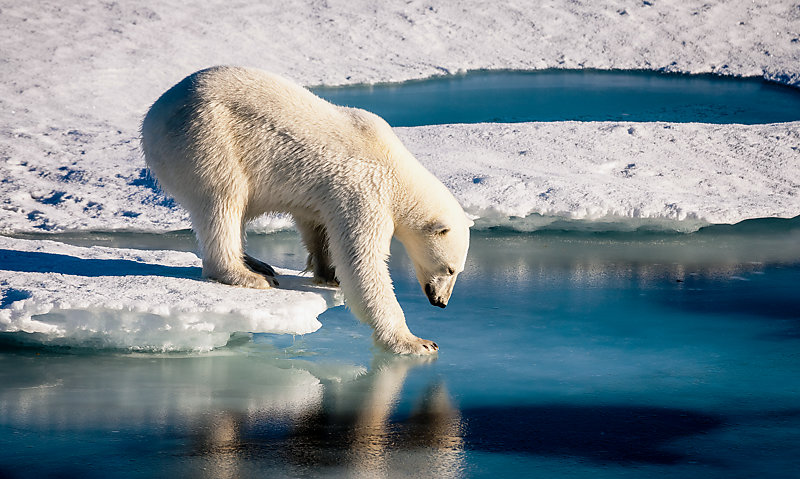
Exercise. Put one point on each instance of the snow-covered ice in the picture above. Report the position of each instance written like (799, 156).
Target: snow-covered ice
(621, 175)
(76, 79)
(152, 300)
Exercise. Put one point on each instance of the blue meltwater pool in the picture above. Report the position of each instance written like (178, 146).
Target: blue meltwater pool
(583, 95)
(562, 355)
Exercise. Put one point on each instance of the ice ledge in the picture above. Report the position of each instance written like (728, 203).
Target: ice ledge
(616, 175)
(53, 293)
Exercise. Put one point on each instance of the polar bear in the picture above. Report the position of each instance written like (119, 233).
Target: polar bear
(233, 143)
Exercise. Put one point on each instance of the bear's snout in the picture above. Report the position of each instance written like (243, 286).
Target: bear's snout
(433, 298)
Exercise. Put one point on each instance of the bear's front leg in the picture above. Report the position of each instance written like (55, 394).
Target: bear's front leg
(363, 273)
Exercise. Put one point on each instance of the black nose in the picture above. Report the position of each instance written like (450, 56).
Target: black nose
(436, 302)
(433, 299)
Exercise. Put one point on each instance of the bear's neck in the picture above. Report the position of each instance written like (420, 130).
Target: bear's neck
(418, 199)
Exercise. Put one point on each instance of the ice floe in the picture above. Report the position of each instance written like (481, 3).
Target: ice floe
(53, 293)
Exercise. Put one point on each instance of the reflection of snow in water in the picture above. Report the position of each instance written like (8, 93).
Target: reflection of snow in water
(229, 408)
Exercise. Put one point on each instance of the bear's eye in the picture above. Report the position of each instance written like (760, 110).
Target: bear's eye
(451, 271)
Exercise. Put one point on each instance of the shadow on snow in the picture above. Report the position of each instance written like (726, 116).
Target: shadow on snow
(38, 262)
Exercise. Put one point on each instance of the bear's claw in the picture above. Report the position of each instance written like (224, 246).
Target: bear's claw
(258, 266)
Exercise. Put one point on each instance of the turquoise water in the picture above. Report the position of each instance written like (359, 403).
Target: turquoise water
(584, 95)
(562, 355)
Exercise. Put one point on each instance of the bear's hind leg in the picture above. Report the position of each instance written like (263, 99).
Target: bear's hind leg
(319, 262)
(220, 232)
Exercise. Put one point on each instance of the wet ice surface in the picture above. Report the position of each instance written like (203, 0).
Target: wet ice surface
(565, 354)
(58, 294)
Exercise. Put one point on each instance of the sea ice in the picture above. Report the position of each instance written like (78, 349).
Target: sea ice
(54, 293)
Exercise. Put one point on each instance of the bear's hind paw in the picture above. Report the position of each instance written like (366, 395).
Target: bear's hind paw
(331, 283)
(247, 279)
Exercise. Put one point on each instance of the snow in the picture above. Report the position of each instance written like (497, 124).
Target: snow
(526, 176)
(77, 77)
(146, 300)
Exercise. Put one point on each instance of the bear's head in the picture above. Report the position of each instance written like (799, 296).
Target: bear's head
(439, 252)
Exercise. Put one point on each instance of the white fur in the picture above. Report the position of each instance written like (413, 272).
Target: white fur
(232, 143)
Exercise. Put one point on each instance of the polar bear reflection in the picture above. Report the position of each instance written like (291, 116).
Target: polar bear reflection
(351, 433)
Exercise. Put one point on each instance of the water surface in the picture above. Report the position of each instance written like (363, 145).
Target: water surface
(563, 355)
(583, 95)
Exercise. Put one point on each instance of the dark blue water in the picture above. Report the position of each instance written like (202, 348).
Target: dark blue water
(584, 95)
(563, 355)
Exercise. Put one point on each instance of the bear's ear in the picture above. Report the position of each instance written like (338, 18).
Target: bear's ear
(437, 228)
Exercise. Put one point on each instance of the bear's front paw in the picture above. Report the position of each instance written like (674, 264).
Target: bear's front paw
(415, 345)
